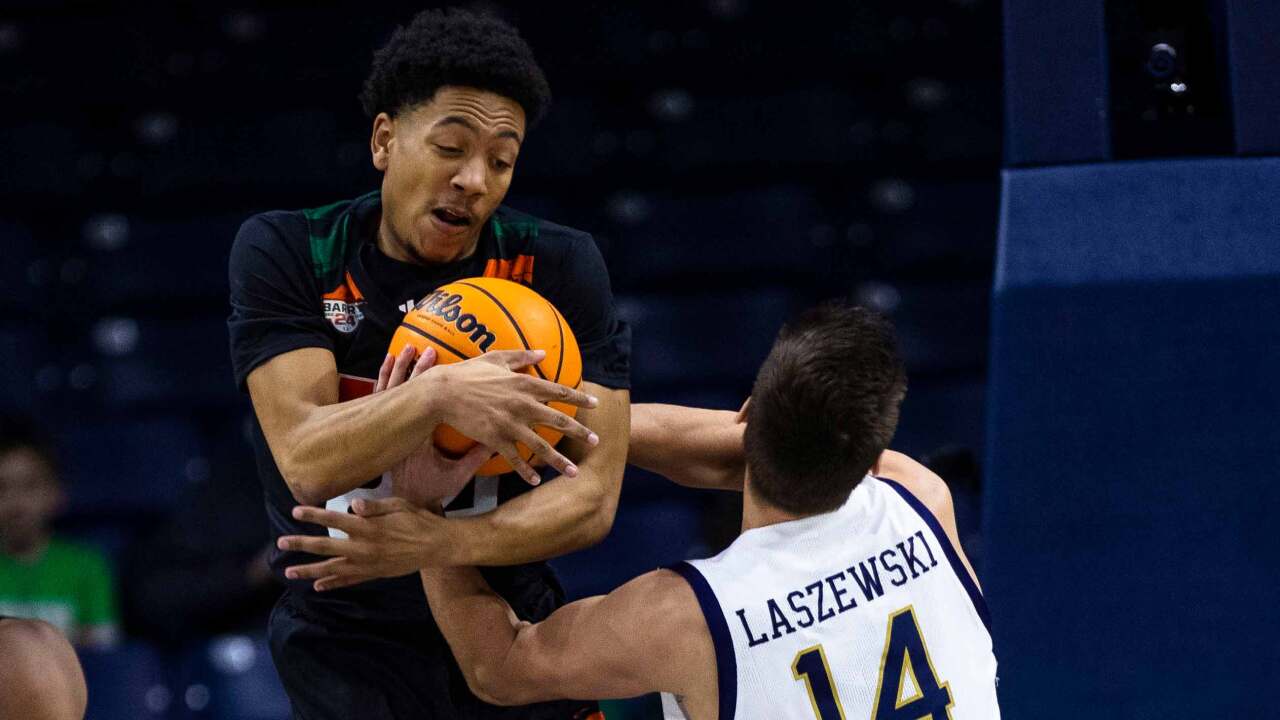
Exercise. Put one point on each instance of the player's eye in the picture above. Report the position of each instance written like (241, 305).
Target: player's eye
(449, 150)
(502, 165)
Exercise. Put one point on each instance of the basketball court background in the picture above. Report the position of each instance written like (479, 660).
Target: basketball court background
(734, 159)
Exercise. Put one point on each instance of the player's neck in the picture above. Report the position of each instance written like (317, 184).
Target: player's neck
(758, 513)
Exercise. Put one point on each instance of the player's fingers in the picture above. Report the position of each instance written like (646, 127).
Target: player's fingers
(425, 360)
(475, 457)
(520, 465)
(314, 544)
(404, 362)
(312, 571)
(384, 373)
(514, 359)
(546, 451)
(548, 391)
(333, 582)
(328, 518)
(568, 426)
(367, 508)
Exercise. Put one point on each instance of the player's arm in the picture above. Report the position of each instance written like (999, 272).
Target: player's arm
(393, 537)
(931, 490)
(325, 448)
(693, 447)
(561, 516)
(646, 636)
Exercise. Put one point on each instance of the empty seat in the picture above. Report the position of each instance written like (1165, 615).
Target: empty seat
(767, 235)
(940, 328)
(231, 677)
(149, 363)
(26, 354)
(27, 270)
(703, 340)
(124, 464)
(127, 682)
(148, 263)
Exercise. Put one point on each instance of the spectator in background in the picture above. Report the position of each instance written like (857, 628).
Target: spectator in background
(42, 577)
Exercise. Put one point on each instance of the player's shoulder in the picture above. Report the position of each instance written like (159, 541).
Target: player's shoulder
(525, 231)
(921, 482)
(323, 237)
(664, 607)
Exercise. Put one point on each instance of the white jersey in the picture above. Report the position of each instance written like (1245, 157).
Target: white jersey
(864, 612)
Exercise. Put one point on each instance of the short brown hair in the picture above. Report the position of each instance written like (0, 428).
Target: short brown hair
(824, 406)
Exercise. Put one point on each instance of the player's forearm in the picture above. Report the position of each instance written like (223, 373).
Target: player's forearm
(561, 516)
(507, 661)
(476, 622)
(342, 446)
(691, 446)
(558, 518)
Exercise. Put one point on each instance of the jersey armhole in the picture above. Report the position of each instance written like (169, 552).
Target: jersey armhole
(975, 595)
(726, 662)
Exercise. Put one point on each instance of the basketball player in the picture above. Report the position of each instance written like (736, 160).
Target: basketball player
(40, 677)
(846, 596)
(316, 295)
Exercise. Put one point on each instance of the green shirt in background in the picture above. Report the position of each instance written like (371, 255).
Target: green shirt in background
(69, 587)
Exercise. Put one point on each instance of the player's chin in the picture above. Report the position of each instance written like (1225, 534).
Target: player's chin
(437, 246)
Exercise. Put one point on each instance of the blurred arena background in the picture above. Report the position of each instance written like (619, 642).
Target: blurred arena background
(734, 159)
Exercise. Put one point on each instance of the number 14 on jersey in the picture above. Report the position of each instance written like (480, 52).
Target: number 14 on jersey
(908, 688)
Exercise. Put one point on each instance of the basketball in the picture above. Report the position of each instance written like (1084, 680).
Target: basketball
(470, 317)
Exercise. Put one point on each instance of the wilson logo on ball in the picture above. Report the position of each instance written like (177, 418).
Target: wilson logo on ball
(445, 306)
(468, 317)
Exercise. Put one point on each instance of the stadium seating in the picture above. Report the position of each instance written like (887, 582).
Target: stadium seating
(230, 677)
(144, 263)
(126, 464)
(731, 334)
(160, 363)
(733, 164)
(133, 681)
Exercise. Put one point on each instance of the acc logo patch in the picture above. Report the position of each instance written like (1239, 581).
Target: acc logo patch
(344, 306)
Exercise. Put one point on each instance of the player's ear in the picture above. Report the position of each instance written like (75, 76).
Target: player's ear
(380, 140)
(742, 411)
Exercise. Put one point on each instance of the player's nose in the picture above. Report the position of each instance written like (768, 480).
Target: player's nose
(472, 177)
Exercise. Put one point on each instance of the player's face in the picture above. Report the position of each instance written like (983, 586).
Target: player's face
(446, 167)
(29, 496)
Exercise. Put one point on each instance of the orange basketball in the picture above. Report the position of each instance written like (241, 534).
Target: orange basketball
(469, 317)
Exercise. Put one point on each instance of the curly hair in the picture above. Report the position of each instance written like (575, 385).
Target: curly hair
(454, 47)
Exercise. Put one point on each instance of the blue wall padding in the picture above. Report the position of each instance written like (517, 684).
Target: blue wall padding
(1132, 565)
(1254, 27)
(1055, 71)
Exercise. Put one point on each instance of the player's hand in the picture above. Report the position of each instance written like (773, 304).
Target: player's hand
(488, 402)
(385, 538)
(426, 477)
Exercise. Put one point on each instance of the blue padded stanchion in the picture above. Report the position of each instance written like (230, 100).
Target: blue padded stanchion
(1134, 425)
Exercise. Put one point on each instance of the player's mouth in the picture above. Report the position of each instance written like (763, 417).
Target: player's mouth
(453, 218)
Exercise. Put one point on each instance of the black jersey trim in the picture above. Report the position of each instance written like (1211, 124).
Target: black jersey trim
(726, 661)
(979, 603)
